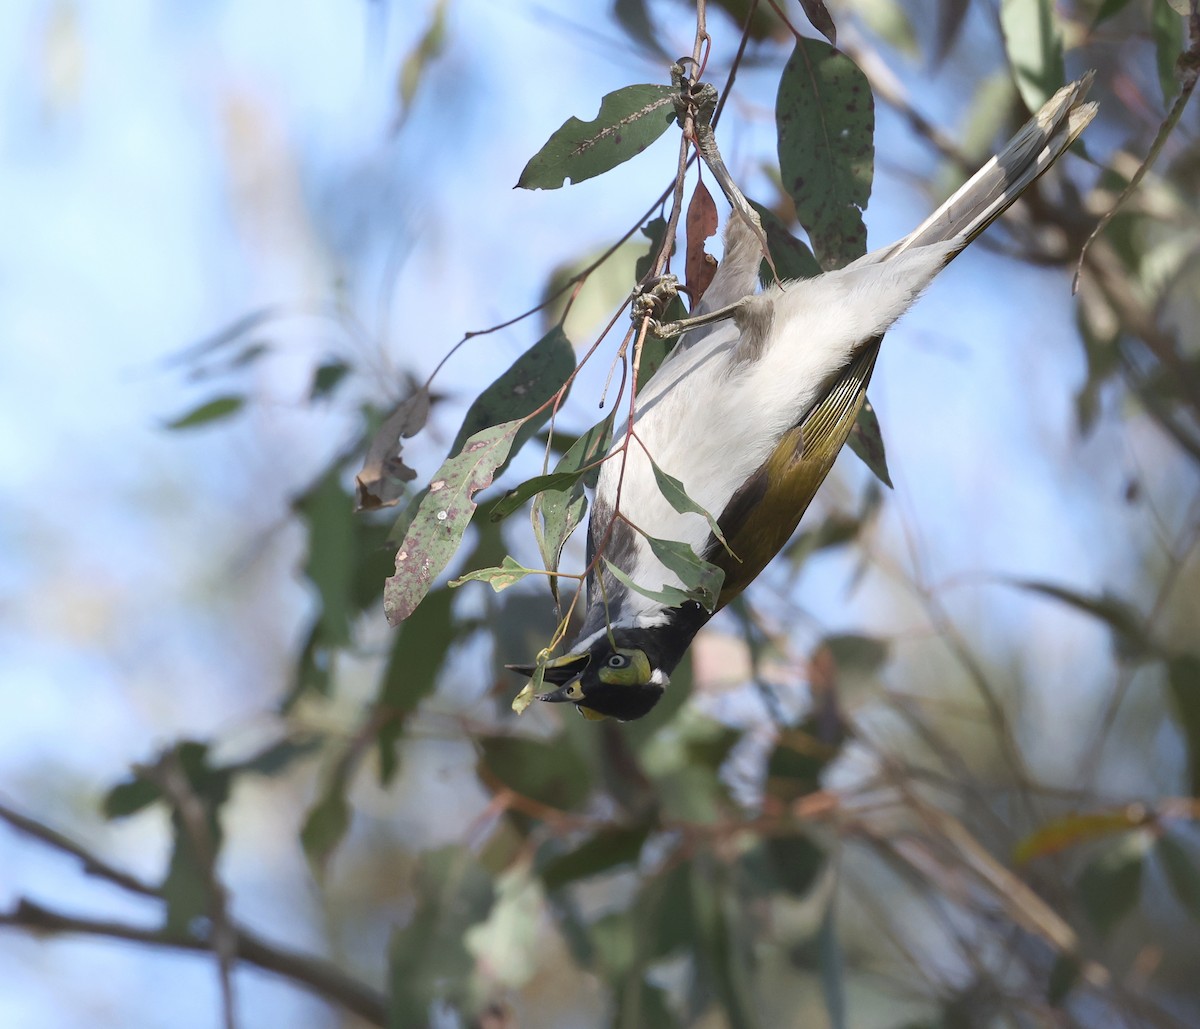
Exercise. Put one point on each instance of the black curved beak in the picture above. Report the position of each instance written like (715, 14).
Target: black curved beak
(560, 695)
(560, 672)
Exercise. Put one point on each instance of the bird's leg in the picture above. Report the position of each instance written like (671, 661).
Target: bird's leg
(664, 329)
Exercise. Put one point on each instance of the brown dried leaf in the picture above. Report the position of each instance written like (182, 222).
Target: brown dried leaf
(699, 266)
(384, 473)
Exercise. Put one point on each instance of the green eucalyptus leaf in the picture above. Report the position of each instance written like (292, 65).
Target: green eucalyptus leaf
(674, 493)
(607, 849)
(630, 119)
(548, 773)
(825, 117)
(793, 259)
(866, 440)
(437, 529)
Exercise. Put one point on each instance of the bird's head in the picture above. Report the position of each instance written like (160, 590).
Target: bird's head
(621, 673)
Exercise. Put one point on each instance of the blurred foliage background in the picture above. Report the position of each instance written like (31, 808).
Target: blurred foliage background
(939, 768)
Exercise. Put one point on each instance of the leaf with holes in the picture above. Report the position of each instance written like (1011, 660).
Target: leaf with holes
(825, 117)
(630, 119)
(700, 267)
(443, 516)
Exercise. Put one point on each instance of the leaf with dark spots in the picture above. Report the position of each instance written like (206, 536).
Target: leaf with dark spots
(384, 473)
(700, 267)
(866, 440)
(443, 516)
(531, 380)
(825, 116)
(630, 119)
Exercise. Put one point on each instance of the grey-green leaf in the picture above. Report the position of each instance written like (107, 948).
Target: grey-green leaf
(445, 512)
(675, 495)
(1111, 883)
(1183, 873)
(630, 119)
(1033, 42)
(825, 116)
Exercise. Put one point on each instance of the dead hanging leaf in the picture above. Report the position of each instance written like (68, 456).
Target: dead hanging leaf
(384, 473)
(699, 267)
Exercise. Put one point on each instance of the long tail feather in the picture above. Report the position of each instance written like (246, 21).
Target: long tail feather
(996, 186)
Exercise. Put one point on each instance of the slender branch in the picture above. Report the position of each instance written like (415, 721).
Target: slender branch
(316, 975)
(92, 865)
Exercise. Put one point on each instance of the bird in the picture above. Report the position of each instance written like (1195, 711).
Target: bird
(748, 412)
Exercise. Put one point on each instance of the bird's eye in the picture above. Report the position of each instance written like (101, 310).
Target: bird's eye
(618, 661)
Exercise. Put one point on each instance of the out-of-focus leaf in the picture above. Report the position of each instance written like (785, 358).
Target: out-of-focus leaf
(1166, 27)
(664, 908)
(548, 773)
(1033, 42)
(866, 440)
(416, 63)
(1111, 883)
(509, 573)
(223, 338)
(608, 848)
(1108, 9)
(793, 259)
(614, 938)
(790, 863)
(437, 529)
(418, 653)
(854, 652)
(721, 960)
(833, 972)
(278, 757)
(211, 411)
(639, 1003)
(701, 221)
(950, 16)
(384, 473)
(1183, 874)
(825, 117)
(1071, 830)
(820, 18)
(326, 823)
(1063, 977)
(428, 958)
(531, 380)
(1129, 629)
(1183, 680)
(684, 760)
(794, 766)
(129, 797)
(326, 379)
(630, 119)
(329, 566)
